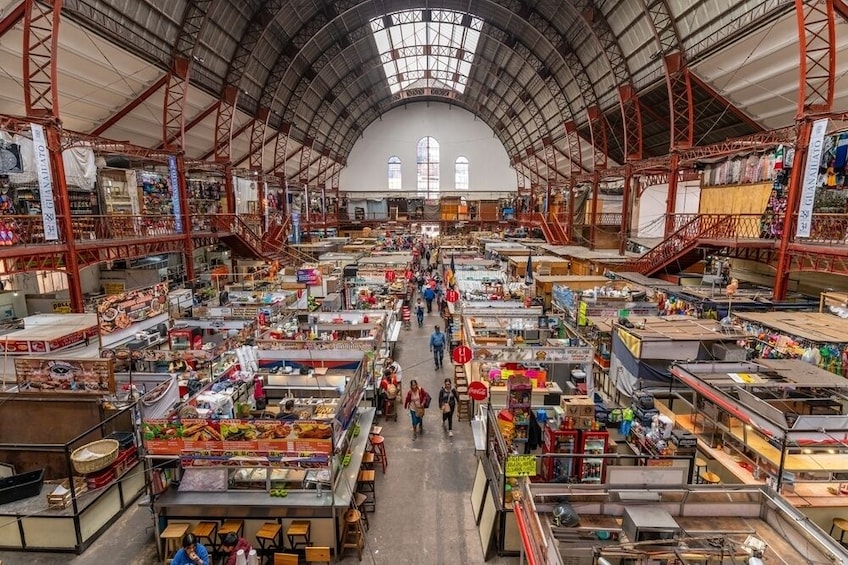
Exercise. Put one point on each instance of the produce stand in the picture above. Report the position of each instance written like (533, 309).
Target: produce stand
(258, 470)
(92, 503)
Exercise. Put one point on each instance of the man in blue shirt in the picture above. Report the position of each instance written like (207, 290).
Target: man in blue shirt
(437, 346)
(429, 295)
(192, 553)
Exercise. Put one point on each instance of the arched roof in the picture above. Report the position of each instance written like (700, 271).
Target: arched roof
(315, 69)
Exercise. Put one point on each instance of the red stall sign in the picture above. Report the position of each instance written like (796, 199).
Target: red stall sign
(461, 354)
(477, 391)
(452, 295)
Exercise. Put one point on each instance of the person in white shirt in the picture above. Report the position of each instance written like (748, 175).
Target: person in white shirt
(394, 367)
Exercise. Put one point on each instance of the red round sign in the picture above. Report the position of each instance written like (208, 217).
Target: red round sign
(451, 295)
(390, 276)
(461, 354)
(477, 391)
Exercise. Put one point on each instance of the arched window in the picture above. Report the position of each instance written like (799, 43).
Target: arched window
(394, 173)
(461, 173)
(427, 157)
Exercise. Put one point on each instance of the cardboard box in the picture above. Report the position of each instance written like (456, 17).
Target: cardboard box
(578, 406)
(584, 422)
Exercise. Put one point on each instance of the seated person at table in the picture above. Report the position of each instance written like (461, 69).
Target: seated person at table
(230, 546)
(288, 412)
(192, 553)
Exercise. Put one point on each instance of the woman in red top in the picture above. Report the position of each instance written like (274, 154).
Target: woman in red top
(416, 402)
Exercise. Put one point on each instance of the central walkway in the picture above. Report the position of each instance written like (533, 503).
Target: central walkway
(423, 502)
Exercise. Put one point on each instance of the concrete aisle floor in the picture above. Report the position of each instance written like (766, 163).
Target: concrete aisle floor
(423, 502)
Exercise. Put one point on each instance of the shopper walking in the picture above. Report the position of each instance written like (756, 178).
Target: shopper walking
(419, 313)
(417, 400)
(448, 400)
(429, 295)
(437, 346)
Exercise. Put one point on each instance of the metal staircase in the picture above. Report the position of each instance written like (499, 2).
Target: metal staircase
(681, 247)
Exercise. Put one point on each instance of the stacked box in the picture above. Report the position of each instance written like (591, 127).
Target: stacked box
(578, 407)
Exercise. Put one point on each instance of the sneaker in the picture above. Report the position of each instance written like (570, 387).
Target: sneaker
(450, 433)
(414, 436)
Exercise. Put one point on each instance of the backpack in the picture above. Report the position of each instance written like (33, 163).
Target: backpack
(438, 339)
(391, 391)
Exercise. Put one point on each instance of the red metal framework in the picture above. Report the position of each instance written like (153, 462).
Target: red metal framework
(598, 127)
(12, 18)
(817, 37)
(224, 124)
(302, 174)
(195, 120)
(631, 114)
(41, 67)
(681, 106)
(257, 139)
(173, 114)
(280, 151)
(575, 151)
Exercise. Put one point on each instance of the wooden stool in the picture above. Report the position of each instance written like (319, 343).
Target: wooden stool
(709, 478)
(268, 537)
(464, 408)
(842, 525)
(286, 559)
(378, 450)
(230, 527)
(207, 531)
(318, 555)
(299, 529)
(352, 537)
(358, 503)
(365, 483)
(700, 467)
(173, 536)
(367, 461)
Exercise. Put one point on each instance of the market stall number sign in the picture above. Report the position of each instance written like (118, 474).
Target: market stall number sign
(477, 391)
(521, 466)
(452, 296)
(461, 354)
(390, 276)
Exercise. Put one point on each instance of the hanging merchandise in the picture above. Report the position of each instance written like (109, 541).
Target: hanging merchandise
(778, 158)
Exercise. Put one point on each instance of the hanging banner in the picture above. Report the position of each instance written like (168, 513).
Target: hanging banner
(45, 183)
(811, 178)
(175, 194)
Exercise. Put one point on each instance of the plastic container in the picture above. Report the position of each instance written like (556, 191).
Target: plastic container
(18, 487)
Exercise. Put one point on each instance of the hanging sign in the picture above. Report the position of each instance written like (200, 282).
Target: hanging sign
(45, 183)
(390, 276)
(312, 277)
(520, 466)
(477, 391)
(452, 295)
(461, 354)
(811, 177)
(175, 194)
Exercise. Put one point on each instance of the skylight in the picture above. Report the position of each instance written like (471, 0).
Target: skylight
(427, 48)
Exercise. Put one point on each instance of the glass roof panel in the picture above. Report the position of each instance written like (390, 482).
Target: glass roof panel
(420, 48)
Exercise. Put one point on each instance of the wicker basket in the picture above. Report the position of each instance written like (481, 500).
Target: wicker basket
(107, 449)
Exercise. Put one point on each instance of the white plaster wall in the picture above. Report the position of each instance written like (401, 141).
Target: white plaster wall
(650, 207)
(458, 134)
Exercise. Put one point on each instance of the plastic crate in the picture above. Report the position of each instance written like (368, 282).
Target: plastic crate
(125, 439)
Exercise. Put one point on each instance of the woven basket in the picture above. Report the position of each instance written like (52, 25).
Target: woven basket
(107, 449)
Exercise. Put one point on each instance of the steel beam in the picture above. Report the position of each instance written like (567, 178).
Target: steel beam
(257, 139)
(234, 135)
(12, 18)
(41, 66)
(194, 121)
(224, 124)
(132, 105)
(681, 107)
(817, 71)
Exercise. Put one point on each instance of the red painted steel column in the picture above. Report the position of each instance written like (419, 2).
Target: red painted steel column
(60, 195)
(183, 218)
(593, 228)
(671, 202)
(626, 207)
(229, 188)
(569, 217)
(781, 278)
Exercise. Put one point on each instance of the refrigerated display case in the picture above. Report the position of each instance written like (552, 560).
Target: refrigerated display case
(593, 469)
(559, 469)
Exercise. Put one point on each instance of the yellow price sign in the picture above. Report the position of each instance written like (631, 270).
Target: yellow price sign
(521, 466)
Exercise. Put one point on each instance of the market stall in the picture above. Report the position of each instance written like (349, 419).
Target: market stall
(776, 422)
(818, 337)
(643, 348)
(59, 498)
(545, 284)
(302, 469)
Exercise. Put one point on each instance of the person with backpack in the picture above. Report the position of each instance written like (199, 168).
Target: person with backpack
(437, 346)
(448, 399)
(419, 313)
(417, 401)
